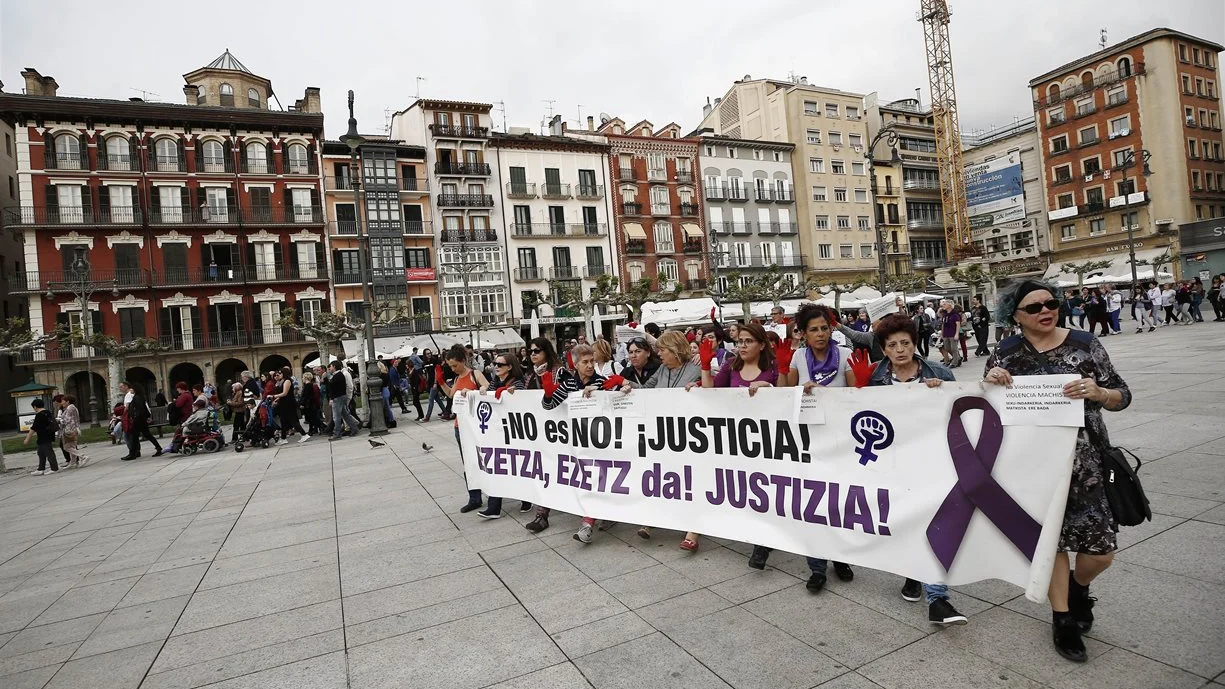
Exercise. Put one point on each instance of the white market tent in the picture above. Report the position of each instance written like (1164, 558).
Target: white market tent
(1118, 271)
(696, 311)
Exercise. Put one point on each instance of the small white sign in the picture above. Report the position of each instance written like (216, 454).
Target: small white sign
(1037, 401)
(811, 411)
(579, 407)
(879, 308)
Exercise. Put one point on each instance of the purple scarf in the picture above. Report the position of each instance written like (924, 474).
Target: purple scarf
(823, 373)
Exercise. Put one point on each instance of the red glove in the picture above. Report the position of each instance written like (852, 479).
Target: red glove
(861, 367)
(546, 382)
(834, 315)
(782, 355)
(497, 394)
(613, 382)
(706, 351)
(438, 376)
(712, 313)
(632, 324)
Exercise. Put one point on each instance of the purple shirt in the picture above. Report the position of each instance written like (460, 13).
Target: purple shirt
(729, 378)
(949, 324)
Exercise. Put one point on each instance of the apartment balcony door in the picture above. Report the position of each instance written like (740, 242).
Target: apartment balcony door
(269, 314)
(265, 260)
(308, 267)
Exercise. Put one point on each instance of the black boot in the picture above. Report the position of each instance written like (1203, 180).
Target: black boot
(1080, 603)
(1066, 635)
(760, 554)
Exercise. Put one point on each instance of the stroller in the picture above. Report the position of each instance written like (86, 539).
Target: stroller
(261, 429)
(198, 437)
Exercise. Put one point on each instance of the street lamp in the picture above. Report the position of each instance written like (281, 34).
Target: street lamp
(1128, 162)
(889, 135)
(374, 382)
(715, 257)
(83, 287)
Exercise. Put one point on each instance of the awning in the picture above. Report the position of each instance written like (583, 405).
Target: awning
(692, 230)
(634, 231)
(1119, 269)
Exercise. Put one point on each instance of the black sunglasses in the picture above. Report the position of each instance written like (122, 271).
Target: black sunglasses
(1036, 308)
(501, 364)
(534, 350)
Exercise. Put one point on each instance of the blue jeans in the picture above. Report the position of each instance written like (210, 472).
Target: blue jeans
(436, 394)
(1114, 321)
(342, 416)
(935, 592)
(474, 495)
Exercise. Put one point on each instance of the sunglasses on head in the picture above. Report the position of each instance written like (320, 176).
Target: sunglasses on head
(639, 342)
(1036, 308)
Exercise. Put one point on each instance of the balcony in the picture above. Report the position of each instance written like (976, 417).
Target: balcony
(690, 209)
(413, 325)
(589, 192)
(520, 190)
(693, 246)
(414, 184)
(337, 183)
(661, 209)
(625, 174)
(921, 185)
(739, 227)
(764, 195)
(927, 261)
(1112, 78)
(555, 191)
(784, 196)
(593, 272)
(635, 247)
(419, 228)
(897, 249)
(631, 208)
(684, 177)
(545, 229)
(121, 163)
(925, 223)
(787, 228)
(564, 272)
(737, 195)
(268, 215)
(41, 216)
(530, 274)
(715, 192)
(348, 277)
(695, 284)
(455, 131)
(60, 281)
(475, 236)
(465, 201)
(463, 169)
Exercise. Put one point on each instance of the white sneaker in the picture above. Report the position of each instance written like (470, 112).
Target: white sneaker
(53, 471)
(583, 535)
(282, 441)
(37, 472)
(304, 439)
(85, 460)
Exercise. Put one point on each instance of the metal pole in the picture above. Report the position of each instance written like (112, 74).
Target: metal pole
(880, 233)
(1131, 244)
(714, 267)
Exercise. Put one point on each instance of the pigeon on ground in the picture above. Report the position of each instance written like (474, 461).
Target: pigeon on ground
(375, 443)
(426, 447)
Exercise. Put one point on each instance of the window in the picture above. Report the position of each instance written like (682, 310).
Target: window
(831, 109)
(822, 222)
(1199, 86)
(840, 195)
(1133, 218)
(1067, 232)
(710, 151)
(855, 140)
(1186, 84)
(865, 251)
(825, 251)
(217, 206)
(167, 155)
(810, 108)
(171, 204)
(1059, 144)
(816, 165)
(118, 153)
(302, 210)
(1182, 52)
(837, 167)
(1093, 198)
(1119, 156)
(1192, 150)
(907, 143)
(1125, 188)
(1087, 136)
(214, 156)
(227, 94)
(252, 98)
(657, 166)
(756, 154)
(818, 193)
(667, 271)
(67, 152)
(1055, 116)
(858, 168)
(257, 158)
(1124, 67)
(861, 196)
(663, 237)
(71, 209)
(864, 222)
(1065, 201)
(660, 204)
(1092, 165)
(1063, 173)
(1120, 126)
(852, 112)
(1085, 107)
(298, 164)
(814, 136)
(844, 222)
(778, 157)
(846, 251)
(121, 207)
(835, 138)
(731, 152)
(8, 145)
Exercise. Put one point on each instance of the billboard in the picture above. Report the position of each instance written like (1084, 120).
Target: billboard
(995, 191)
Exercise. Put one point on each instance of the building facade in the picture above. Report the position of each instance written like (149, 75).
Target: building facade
(396, 216)
(1021, 245)
(828, 129)
(749, 196)
(200, 224)
(657, 212)
(908, 185)
(1157, 92)
(556, 211)
(11, 262)
(472, 267)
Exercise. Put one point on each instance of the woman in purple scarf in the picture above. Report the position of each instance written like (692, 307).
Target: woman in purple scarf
(820, 363)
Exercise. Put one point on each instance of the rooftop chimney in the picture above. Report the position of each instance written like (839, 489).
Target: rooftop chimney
(707, 108)
(37, 84)
(192, 93)
(590, 121)
(556, 126)
(312, 101)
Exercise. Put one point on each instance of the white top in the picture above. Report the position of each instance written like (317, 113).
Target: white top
(931, 313)
(799, 364)
(1116, 301)
(1167, 297)
(605, 369)
(127, 398)
(1154, 295)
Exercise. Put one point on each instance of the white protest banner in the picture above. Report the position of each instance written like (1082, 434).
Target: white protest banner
(879, 308)
(922, 482)
(1037, 401)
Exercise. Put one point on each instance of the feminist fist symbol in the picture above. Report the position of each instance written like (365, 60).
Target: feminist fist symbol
(873, 432)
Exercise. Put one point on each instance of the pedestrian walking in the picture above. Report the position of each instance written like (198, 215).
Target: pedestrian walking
(70, 432)
(338, 397)
(42, 431)
(980, 320)
(286, 405)
(136, 421)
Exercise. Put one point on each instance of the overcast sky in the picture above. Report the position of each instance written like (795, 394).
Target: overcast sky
(635, 59)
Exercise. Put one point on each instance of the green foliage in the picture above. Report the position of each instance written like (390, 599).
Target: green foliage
(1080, 270)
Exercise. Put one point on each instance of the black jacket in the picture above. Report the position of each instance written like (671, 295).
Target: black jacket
(138, 410)
(41, 425)
(338, 386)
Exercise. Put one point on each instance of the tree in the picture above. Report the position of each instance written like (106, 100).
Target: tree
(639, 292)
(16, 337)
(740, 290)
(1165, 259)
(329, 328)
(774, 286)
(1080, 270)
(972, 276)
(116, 352)
(910, 282)
(838, 288)
(564, 294)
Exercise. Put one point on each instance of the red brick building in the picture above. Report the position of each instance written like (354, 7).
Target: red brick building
(200, 223)
(658, 209)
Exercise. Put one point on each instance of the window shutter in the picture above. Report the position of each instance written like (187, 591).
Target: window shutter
(183, 155)
(320, 260)
(257, 321)
(250, 254)
(228, 149)
(278, 257)
(310, 160)
(48, 151)
(195, 326)
(104, 203)
(61, 319)
(288, 195)
(84, 153)
(163, 323)
(231, 203)
(53, 203)
(269, 156)
(240, 318)
(213, 330)
(87, 203)
(316, 207)
(155, 203)
(185, 200)
(95, 319)
(293, 257)
(134, 152)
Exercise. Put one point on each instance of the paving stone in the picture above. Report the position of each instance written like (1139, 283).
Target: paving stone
(601, 634)
(651, 661)
(246, 662)
(321, 672)
(1192, 549)
(459, 653)
(1215, 515)
(851, 680)
(1019, 643)
(425, 616)
(849, 633)
(539, 575)
(754, 584)
(32, 639)
(30, 679)
(1120, 669)
(369, 568)
(1190, 474)
(239, 637)
(744, 651)
(1178, 505)
(418, 594)
(133, 626)
(573, 607)
(50, 655)
(122, 669)
(668, 614)
(265, 563)
(648, 586)
(560, 676)
(165, 584)
(258, 598)
(933, 662)
(87, 600)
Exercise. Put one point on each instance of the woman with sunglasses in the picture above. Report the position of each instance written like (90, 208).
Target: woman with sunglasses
(675, 371)
(821, 363)
(902, 366)
(1089, 528)
(507, 378)
(545, 362)
(752, 367)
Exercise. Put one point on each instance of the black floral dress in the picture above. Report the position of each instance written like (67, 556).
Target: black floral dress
(1088, 525)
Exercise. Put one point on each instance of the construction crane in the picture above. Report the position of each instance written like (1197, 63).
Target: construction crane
(934, 15)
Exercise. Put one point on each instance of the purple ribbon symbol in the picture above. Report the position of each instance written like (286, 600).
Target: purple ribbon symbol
(976, 489)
